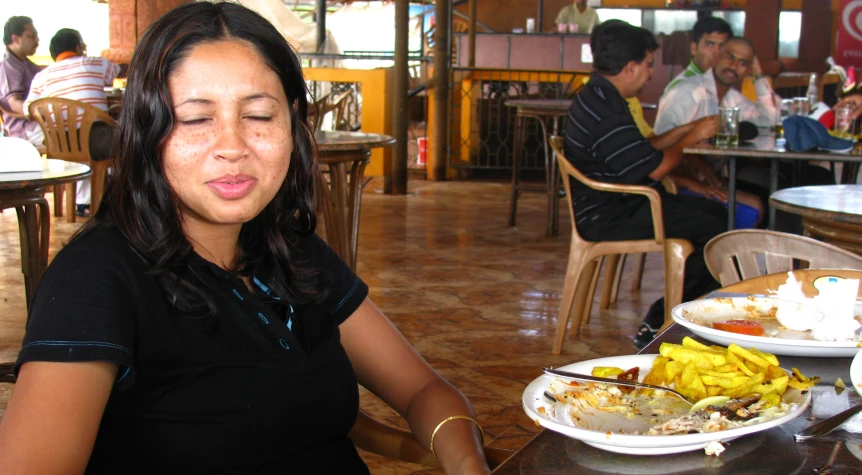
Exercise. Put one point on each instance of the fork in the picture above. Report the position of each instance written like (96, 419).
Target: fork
(618, 382)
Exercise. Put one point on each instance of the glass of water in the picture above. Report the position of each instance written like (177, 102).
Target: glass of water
(801, 106)
(728, 127)
(844, 123)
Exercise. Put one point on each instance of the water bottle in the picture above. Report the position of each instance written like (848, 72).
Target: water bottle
(813, 97)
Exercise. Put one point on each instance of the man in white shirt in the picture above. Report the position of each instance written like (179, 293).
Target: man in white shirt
(707, 37)
(76, 76)
(700, 96)
(577, 17)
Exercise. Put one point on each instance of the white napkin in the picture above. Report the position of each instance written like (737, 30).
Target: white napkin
(19, 155)
(829, 315)
(826, 402)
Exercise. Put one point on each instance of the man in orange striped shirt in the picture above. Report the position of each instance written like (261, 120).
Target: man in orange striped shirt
(74, 75)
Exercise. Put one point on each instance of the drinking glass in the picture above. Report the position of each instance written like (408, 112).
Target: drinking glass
(844, 123)
(728, 127)
(801, 106)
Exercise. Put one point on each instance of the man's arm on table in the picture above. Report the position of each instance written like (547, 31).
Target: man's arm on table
(673, 155)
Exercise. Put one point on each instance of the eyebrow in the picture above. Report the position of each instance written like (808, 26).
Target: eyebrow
(207, 102)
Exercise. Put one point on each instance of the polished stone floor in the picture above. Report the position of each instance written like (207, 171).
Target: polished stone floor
(478, 300)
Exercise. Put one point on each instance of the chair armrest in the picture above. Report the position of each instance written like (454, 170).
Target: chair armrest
(651, 194)
(6, 375)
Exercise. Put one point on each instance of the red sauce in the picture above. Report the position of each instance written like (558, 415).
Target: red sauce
(745, 327)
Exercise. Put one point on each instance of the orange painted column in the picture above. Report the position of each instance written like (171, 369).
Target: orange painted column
(128, 19)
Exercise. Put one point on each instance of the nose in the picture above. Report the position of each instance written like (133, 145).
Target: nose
(229, 142)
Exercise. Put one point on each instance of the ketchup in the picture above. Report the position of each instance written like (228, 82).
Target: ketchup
(745, 327)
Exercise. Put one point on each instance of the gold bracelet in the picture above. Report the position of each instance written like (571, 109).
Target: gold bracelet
(452, 418)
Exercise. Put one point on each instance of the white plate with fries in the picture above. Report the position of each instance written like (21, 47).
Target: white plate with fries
(856, 372)
(699, 316)
(614, 431)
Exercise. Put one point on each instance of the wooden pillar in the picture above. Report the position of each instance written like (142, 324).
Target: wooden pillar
(398, 182)
(471, 35)
(128, 20)
(815, 36)
(442, 54)
(761, 28)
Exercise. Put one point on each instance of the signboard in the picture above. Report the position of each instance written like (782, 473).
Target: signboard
(848, 51)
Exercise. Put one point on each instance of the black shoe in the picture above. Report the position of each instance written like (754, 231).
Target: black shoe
(82, 210)
(644, 336)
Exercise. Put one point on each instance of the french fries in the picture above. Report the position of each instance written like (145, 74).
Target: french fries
(697, 371)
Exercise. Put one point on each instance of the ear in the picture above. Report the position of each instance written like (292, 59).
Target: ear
(693, 48)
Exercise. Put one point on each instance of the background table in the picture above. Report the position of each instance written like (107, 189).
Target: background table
(24, 191)
(832, 213)
(345, 155)
(772, 451)
(542, 111)
(762, 148)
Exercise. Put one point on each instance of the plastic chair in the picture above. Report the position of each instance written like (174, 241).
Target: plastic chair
(747, 253)
(64, 139)
(584, 255)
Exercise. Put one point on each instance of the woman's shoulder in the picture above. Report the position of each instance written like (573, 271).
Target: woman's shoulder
(98, 249)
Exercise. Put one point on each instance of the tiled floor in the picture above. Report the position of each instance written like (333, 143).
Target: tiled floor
(477, 299)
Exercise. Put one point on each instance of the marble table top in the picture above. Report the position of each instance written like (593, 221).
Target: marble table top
(57, 172)
(763, 146)
(833, 202)
(548, 105)
(340, 140)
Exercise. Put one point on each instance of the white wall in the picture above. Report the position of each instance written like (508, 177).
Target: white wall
(86, 16)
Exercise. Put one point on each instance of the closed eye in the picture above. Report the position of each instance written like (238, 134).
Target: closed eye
(193, 121)
(259, 118)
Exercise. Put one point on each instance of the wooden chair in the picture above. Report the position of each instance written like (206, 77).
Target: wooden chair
(59, 119)
(747, 253)
(584, 255)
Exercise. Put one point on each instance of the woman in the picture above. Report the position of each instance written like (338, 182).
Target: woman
(196, 324)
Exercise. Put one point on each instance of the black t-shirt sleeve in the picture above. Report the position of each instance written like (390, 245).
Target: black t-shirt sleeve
(83, 308)
(346, 290)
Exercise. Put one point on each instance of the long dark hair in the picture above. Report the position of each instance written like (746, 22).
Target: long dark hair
(138, 200)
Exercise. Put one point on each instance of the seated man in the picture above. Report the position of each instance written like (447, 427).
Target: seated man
(707, 36)
(577, 17)
(16, 74)
(603, 142)
(74, 75)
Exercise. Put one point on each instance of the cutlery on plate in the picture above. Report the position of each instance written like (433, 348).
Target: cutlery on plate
(827, 425)
(618, 382)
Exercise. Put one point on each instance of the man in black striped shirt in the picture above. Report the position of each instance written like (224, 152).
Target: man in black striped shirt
(603, 142)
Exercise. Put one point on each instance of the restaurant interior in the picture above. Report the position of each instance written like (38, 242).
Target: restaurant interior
(446, 198)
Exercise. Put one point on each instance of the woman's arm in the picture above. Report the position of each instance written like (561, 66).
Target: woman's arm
(53, 417)
(386, 364)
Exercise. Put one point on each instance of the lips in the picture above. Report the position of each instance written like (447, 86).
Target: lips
(232, 187)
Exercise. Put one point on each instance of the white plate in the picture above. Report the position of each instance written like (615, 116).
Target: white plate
(856, 373)
(606, 439)
(699, 314)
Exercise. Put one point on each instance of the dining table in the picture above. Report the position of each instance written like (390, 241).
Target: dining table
(763, 147)
(772, 451)
(832, 213)
(344, 156)
(25, 191)
(546, 112)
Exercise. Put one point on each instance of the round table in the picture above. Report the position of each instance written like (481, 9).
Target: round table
(24, 191)
(540, 110)
(831, 213)
(345, 155)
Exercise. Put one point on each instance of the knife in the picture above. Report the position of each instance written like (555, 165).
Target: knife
(828, 425)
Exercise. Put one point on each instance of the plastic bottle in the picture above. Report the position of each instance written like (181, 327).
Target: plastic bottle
(813, 97)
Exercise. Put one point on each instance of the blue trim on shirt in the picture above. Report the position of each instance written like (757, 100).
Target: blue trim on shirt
(347, 296)
(103, 344)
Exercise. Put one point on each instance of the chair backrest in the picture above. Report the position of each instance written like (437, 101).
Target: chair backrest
(567, 171)
(66, 124)
(748, 253)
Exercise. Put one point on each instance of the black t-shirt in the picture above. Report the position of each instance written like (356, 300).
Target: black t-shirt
(237, 392)
(603, 142)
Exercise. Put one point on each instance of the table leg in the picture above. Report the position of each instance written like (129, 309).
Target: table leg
(34, 228)
(773, 187)
(354, 196)
(338, 192)
(549, 181)
(731, 193)
(516, 165)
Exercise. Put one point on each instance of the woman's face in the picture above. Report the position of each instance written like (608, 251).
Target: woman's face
(229, 150)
